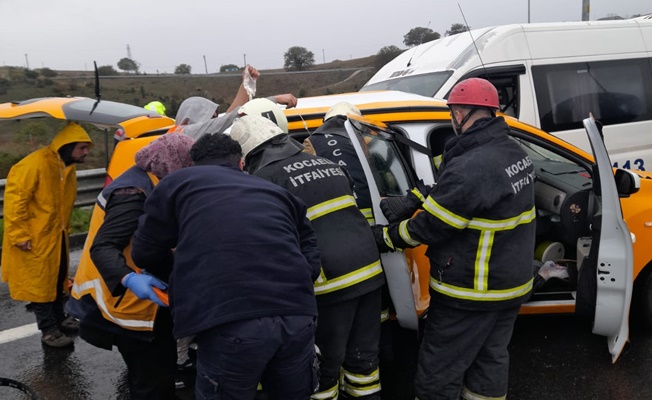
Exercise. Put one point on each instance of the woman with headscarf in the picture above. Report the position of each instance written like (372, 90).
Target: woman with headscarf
(115, 300)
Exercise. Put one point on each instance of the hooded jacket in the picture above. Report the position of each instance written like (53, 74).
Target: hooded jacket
(350, 261)
(195, 118)
(39, 197)
(478, 221)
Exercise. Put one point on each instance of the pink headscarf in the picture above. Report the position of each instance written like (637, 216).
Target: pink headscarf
(168, 153)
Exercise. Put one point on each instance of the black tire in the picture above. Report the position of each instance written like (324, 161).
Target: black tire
(19, 386)
(643, 304)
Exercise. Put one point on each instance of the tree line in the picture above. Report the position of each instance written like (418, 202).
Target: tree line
(298, 58)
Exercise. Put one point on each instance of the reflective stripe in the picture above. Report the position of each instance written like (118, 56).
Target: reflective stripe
(459, 222)
(329, 394)
(361, 378)
(350, 279)
(99, 299)
(469, 395)
(367, 212)
(417, 193)
(359, 392)
(387, 239)
(330, 206)
(479, 295)
(503, 224)
(405, 235)
(384, 315)
(481, 278)
(443, 214)
(101, 200)
(321, 278)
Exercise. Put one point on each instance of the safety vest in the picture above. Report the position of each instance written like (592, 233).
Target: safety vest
(127, 311)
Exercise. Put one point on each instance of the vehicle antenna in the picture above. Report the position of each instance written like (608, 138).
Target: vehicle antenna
(415, 49)
(472, 39)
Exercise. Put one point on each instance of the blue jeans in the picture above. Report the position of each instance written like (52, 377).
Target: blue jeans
(278, 352)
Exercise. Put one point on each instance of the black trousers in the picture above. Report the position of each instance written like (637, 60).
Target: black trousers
(50, 315)
(151, 365)
(348, 336)
(464, 350)
(278, 352)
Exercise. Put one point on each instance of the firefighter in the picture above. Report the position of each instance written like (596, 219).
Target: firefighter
(114, 302)
(348, 287)
(479, 226)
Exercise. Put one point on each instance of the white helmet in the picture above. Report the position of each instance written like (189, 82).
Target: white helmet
(265, 108)
(341, 108)
(253, 130)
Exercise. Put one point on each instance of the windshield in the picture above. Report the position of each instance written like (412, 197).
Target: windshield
(423, 84)
(383, 156)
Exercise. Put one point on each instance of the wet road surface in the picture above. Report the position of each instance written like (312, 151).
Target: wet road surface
(551, 358)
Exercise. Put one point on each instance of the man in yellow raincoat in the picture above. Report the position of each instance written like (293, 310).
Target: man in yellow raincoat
(38, 201)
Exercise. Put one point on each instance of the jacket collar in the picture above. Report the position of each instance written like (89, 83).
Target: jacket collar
(482, 131)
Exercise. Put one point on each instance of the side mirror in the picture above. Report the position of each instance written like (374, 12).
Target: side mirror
(627, 182)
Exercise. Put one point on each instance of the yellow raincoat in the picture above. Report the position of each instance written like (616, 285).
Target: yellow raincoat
(38, 201)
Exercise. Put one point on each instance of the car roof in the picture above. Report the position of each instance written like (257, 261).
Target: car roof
(103, 114)
(382, 105)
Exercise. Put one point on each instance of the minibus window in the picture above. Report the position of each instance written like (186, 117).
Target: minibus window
(423, 84)
(613, 91)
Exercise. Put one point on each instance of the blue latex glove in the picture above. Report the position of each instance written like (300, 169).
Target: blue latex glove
(141, 285)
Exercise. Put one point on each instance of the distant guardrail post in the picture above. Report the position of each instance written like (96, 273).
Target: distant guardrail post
(89, 184)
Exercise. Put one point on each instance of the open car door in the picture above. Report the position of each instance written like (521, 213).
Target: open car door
(387, 175)
(614, 255)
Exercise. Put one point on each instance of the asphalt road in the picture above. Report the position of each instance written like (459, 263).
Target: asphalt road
(551, 358)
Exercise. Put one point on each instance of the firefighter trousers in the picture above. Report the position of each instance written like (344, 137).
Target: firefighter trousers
(348, 336)
(464, 353)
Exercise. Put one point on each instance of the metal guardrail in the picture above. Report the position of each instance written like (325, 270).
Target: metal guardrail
(89, 184)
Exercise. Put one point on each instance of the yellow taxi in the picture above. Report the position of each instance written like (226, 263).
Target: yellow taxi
(595, 220)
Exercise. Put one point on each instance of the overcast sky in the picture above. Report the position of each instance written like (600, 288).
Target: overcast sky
(161, 34)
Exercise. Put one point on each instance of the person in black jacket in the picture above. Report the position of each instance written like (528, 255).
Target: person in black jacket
(242, 270)
(113, 300)
(348, 287)
(479, 226)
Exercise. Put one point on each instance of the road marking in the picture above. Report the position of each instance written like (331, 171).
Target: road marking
(18, 333)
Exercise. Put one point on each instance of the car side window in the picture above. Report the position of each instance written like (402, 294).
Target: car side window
(386, 162)
(615, 92)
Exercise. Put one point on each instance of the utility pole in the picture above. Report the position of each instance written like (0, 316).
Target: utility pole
(586, 10)
(26, 61)
(205, 66)
(245, 60)
(128, 52)
(323, 56)
(528, 11)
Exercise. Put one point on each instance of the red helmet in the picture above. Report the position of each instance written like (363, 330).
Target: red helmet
(474, 92)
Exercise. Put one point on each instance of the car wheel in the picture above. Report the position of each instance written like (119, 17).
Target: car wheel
(644, 306)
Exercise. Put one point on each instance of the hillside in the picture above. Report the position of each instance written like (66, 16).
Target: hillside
(19, 138)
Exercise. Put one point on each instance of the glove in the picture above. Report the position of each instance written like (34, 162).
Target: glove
(399, 208)
(552, 270)
(379, 237)
(141, 285)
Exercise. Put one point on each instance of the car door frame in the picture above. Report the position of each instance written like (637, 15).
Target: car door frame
(615, 261)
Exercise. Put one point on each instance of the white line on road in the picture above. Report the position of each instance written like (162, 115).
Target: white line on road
(18, 333)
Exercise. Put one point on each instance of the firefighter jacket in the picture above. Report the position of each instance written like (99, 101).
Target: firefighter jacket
(98, 298)
(38, 200)
(350, 264)
(244, 248)
(478, 221)
(331, 141)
